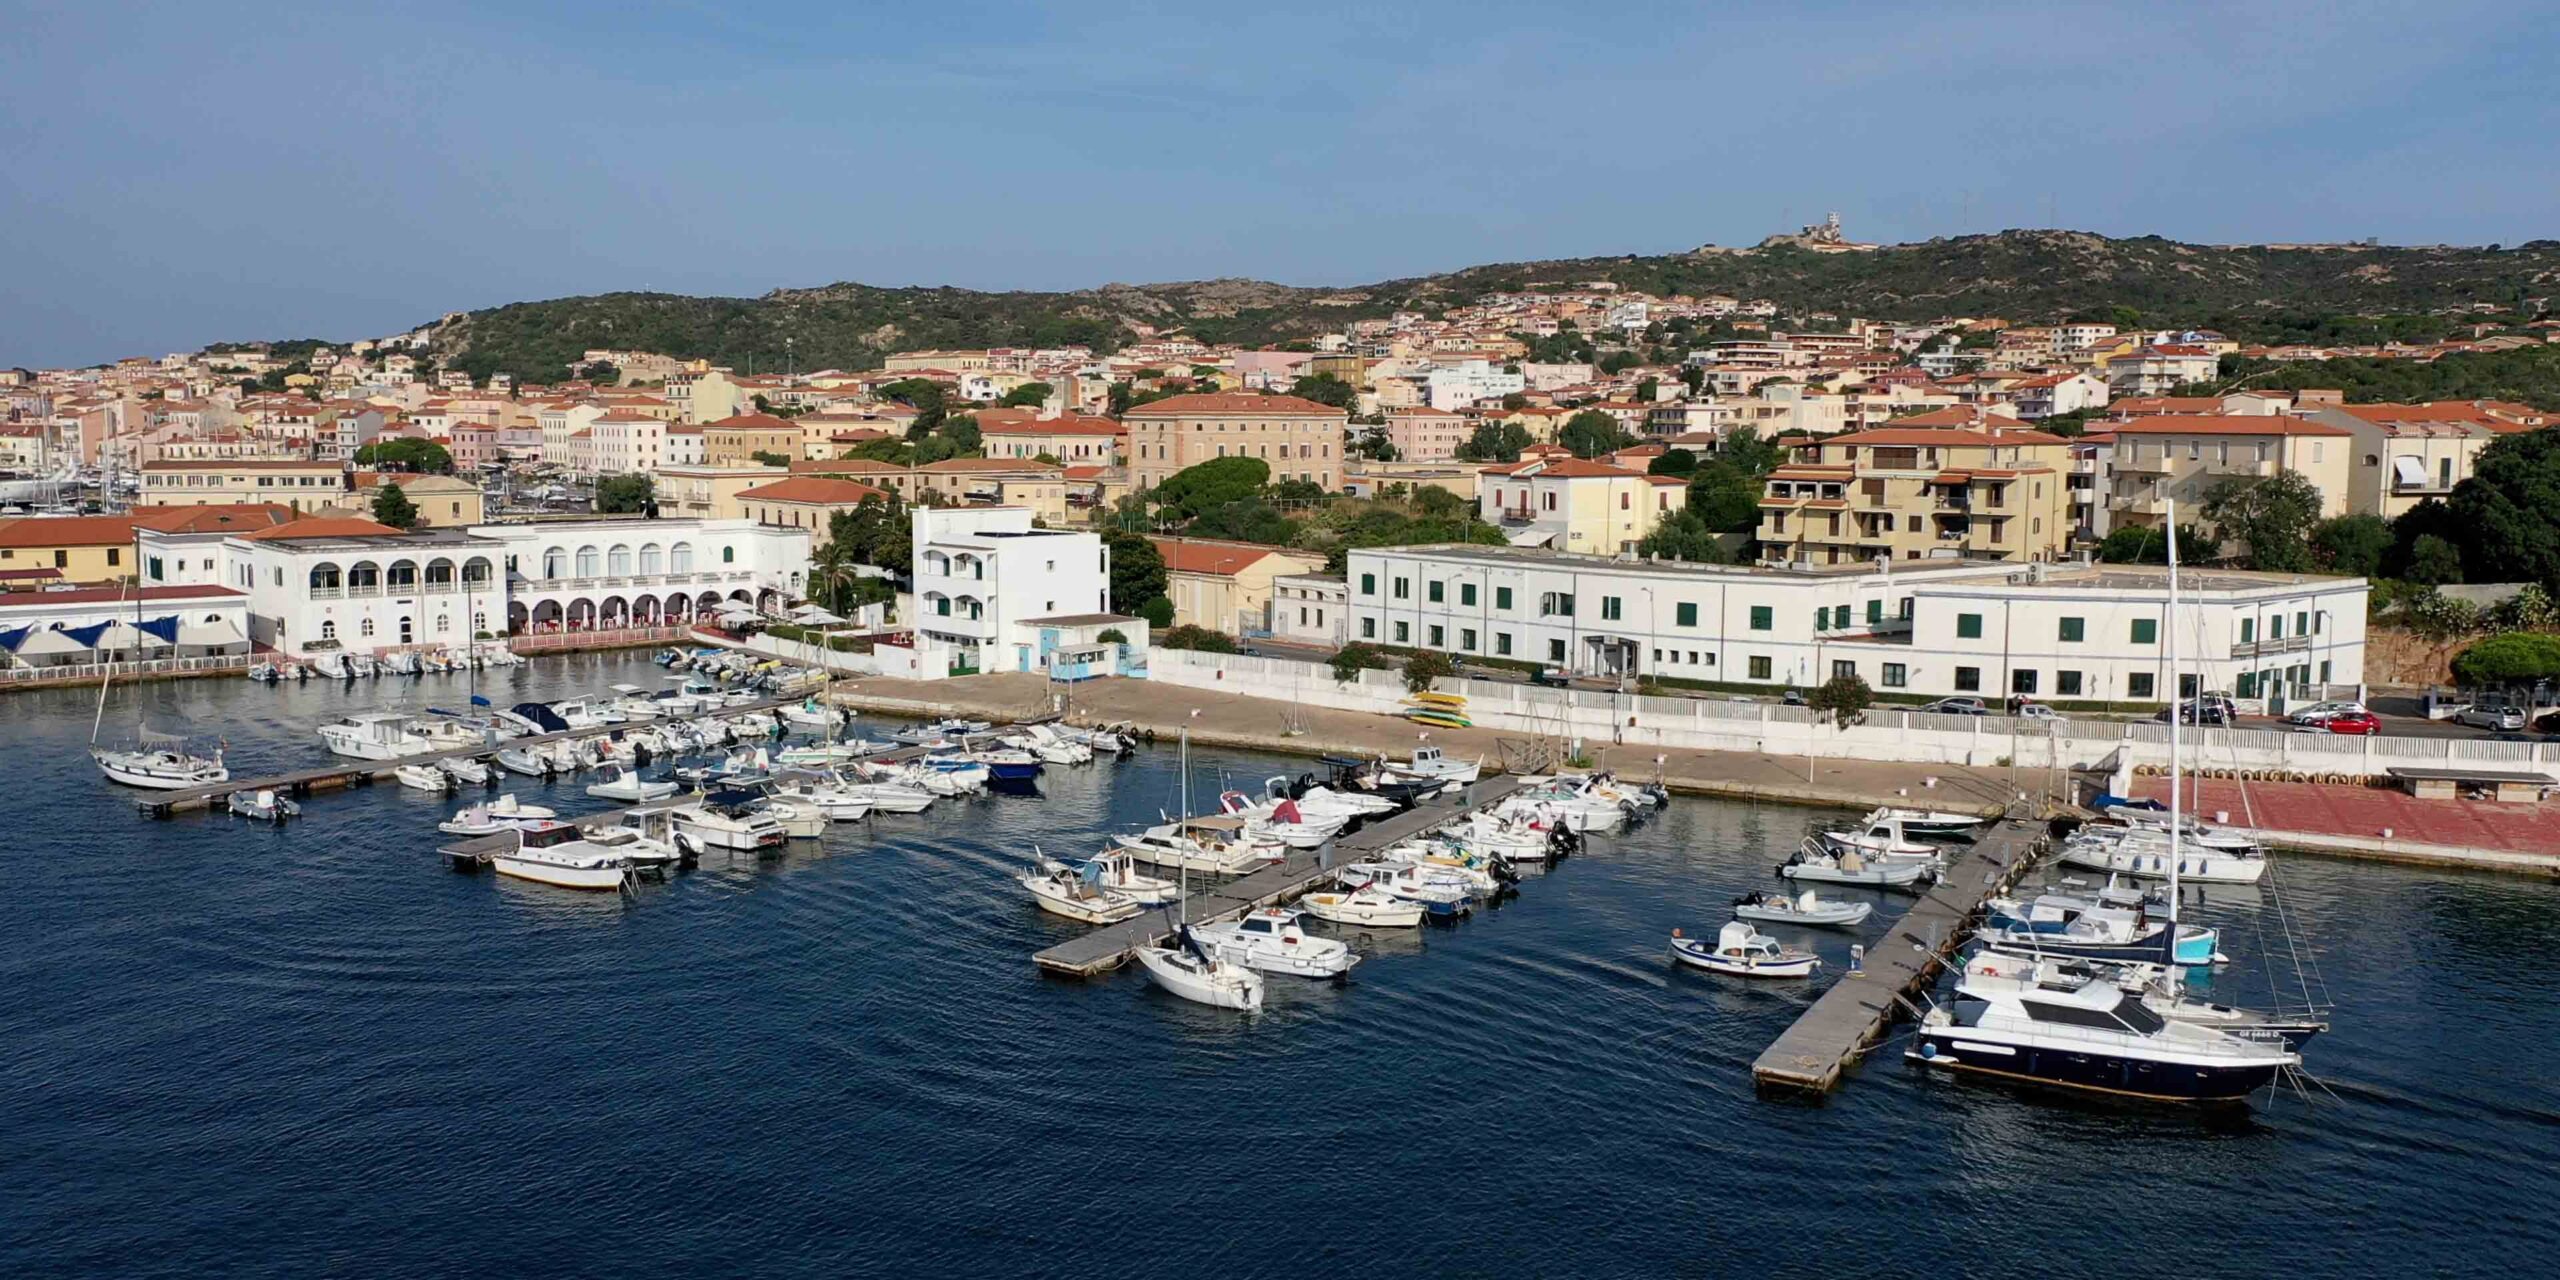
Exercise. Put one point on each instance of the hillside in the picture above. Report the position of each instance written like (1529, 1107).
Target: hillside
(2022, 275)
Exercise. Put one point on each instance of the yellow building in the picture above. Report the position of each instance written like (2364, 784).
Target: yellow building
(2182, 457)
(805, 502)
(1573, 504)
(442, 501)
(38, 551)
(2405, 454)
(300, 484)
(1227, 586)
(1300, 439)
(707, 492)
(1921, 488)
(736, 440)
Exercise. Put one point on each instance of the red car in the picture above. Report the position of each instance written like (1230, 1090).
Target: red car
(2358, 722)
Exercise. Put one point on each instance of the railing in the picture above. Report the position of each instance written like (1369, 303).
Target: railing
(366, 589)
(2263, 648)
(327, 593)
(85, 672)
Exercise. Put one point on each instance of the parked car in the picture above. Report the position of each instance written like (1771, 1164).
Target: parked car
(1958, 707)
(2359, 721)
(2489, 713)
(2319, 712)
(2211, 709)
(2036, 711)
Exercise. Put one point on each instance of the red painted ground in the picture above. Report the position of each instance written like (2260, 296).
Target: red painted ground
(2344, 810)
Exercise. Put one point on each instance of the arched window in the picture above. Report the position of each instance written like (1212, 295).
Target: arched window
(555, 563)
(680, 558)
(476, 569)
(617, 562)
(936, 562)
(651, 560)
(328, 628)
(728, 555)
(324, 576)
(588, 562)
(365, 628)
(364, 575)
(439, 572)
(404, 575)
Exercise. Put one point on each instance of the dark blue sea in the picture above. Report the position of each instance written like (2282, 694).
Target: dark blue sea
(228, 1050)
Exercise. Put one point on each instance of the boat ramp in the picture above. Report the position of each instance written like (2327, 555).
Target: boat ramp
(1809, 1056)
(1110, 946)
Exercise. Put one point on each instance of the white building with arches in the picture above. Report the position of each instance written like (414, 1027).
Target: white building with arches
(353, 585)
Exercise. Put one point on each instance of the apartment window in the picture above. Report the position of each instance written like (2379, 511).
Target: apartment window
(1759, 667)
(1467, 639)
(1502, 597)
(2022, 680)
(2275, 627)
(2137, 686)
(2066, 684)
(1555, 651)
(1368, 584)
(2301, 621)
(1875, 612)
(115, 555)
(2187, 685)
(1609, 609)
(2074, 630)
(2248, 630)
(1368, 628)
(1502, 642)
(1467, 593)
(2324, 671)
(61, 559)
(1433, 589)
(1968, 626)
(1403, 588)
(1404, 634)
(1761, 618)
(1843, 669)
(1968, 679)
(1896, 675)
(1437, 642)
(1686, 614)
(2146, 631)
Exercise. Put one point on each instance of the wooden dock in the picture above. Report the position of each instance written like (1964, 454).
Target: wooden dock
(1110, 946)
(1854, 1014)
(364, 773)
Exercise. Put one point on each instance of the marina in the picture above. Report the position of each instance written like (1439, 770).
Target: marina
(872, 984)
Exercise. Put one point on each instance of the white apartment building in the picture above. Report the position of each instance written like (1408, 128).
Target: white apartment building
(994, 593)
(621, 443)
(1311, 608)
(560, 425)
(2063, 634)
(1454, 387)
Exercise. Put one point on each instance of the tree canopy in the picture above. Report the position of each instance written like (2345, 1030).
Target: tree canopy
(1030, 395)
(1683, 535)
(2508, 512)
(392, 507)
(406, 453)
(1725, 498)
(1137, 571)
(1202, 486)
(2517, 657)
(626, 494)
(2273, 515)
(1324, 388)
(2353, 545)
(1495, 442)
(1673, 462)
(1591, 433)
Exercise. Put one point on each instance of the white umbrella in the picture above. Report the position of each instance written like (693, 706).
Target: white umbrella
(814, 616)
(50, 644)
(740, 613)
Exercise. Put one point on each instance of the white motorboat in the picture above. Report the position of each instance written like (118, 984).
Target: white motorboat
(799, 821)
(1367, 905)
(1115, 870)
(1076, 892)
(556, 853)
(825, 755)
(264, 672)
(332, 666)
(2114, 924)
(644, 846)
(168, 767)
(626, 784)
(1271, 940)
(1745, 952)
(631, 702)
(1928, 823)
(361, 666)
(1214, 846)
(890, 797)
(1185, 970)
(812, 714)
(726, 820)
(374, 735)
(1436, 894)
(529, 762)
(1816, 864)
(466, 771)
(502, 814)
(1802, 909)
(263, 805)
(403, 663)
(2146, 852)
(827, 795)
(1428, 763)
(424, 777)
(2029, 1022)
(1325, 800)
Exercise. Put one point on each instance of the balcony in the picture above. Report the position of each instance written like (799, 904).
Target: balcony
(2270, 648)
(1515, 515)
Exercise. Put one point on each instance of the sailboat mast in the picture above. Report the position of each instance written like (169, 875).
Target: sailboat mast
(2177, 712)
(1182, 832)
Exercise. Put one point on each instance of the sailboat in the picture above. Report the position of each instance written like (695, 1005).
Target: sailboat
(1186, 968)
(2030, 1024)
(157, 761)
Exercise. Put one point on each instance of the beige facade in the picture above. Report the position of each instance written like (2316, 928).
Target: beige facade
(1995, 490)
(1571, 504)
(708, 492)
(443, 502)
(735, 441)
(2404, 454)
(805, 502)
(1423, 434)
(301, 485)
(2163, 458)
(1300, 439)
(1227, 586)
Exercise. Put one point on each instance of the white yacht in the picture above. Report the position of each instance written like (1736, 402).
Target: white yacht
(1366, 905)
(1428, 763)
(1217, 846)
(2206, 856)
(1077, 893)
(627, 785)
(424, 777)
(1115, 870)
(2025, 1022)
(727, 820)
(556, 853)
(1802, 909)
(374, 735)
(168, 767)
(1186, 970)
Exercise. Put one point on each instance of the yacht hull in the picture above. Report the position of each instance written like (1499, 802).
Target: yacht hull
(2090, 1071)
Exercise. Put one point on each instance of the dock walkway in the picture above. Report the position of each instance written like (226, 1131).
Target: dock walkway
(348, 772)
(1808, 1057)
(1110, 946)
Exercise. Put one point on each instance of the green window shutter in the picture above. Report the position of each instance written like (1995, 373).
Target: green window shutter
(1688, 615)
(1368, 584)
(1875, 612)
(1435, 591)
(2074, 630)
(1502, 597)
(1968, 626)
(1466, 593)
(2146, 631)
(1760, 617)
(2248, 630)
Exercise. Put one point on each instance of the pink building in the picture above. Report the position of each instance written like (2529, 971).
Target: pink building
(1422, 434)
(473, 444)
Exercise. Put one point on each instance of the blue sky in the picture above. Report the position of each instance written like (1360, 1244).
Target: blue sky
(181, 174)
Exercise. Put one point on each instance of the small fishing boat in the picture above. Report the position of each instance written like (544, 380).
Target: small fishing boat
(424, 777)
(332, 666)
(1429, 763)
(555, 853)
(825, 793)
(1367, 905)
(1927, 823)
(1077, 893)
(1802, 909)
(1188, 971)
(263, 805)
(529, 762)
(812, 714)
(627, 785)
(1745, 952)
(1115, 870)
(466, 771)
(1271, 940)
(1007, 764)
(1436, 894)
(729, 819)
(264, 673)
(1816, 864)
